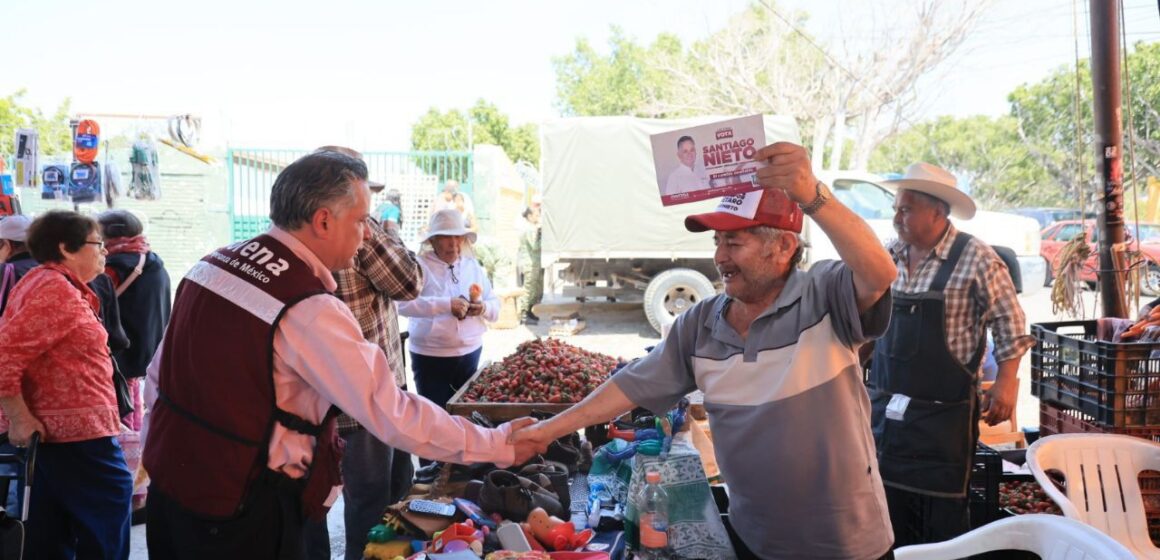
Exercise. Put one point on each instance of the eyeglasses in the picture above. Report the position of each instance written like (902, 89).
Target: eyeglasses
(100, 244)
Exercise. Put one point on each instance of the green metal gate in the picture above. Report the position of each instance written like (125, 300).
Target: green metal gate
(419, 177)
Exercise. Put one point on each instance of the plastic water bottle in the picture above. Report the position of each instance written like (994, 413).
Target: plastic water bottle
(654, 519)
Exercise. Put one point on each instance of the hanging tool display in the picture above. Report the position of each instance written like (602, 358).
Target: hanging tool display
(84, 182)
(145, 180)
(27, 153)
(54, 181)
(87, 141)
(184, 132)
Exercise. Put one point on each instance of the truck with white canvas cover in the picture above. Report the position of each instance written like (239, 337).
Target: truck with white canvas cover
(606, 234)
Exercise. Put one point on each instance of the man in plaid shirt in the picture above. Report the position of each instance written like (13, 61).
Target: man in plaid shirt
(374, 474)
(925, 401)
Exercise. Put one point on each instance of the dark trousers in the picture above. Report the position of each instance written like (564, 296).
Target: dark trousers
(743, 553)
(81, 500)
(369, 486)
(920, 519)
(271, 526)
(438, 379)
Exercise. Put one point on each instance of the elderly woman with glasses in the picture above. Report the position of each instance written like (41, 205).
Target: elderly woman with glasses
(56, 379)
(447, 319)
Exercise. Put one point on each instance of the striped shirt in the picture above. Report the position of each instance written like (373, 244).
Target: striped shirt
(385, 271)
(978, 294)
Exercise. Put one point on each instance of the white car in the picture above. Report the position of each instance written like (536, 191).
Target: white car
(1014, 238)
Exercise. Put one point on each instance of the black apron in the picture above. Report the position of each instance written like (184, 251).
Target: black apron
(924, 403)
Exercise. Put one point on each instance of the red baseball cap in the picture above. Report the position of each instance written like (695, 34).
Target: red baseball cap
(767, 207)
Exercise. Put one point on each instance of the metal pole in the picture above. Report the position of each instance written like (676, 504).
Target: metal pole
(1105, 25)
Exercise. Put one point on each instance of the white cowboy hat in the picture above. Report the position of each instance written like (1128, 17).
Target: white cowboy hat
(937, 182)
(448, 222)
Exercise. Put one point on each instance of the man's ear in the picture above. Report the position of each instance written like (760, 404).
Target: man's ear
(322, 222)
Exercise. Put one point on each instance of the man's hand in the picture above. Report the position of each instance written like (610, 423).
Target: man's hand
(459, 307)
(789, 170)
(533, 436)
(999, 400)
(22, 427)
(524, 450)
(474, 309)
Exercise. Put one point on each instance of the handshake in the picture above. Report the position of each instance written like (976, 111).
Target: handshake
(530, 438)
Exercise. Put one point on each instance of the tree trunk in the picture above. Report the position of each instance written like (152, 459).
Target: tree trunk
(818, 149)
(839, 140)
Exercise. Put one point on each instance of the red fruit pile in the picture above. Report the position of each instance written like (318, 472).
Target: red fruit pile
(1026, 497)
(541, 371)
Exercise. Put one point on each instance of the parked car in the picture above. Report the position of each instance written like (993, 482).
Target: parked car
(1056, 235)
(1048, 216)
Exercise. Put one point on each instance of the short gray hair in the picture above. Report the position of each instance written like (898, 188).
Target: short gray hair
(313, 182)
(770, 234)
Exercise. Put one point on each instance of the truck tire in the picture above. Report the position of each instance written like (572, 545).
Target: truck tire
(672, 292)
(1150, 283)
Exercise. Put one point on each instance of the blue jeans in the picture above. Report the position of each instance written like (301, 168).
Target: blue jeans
(438, 379)
(81, 500)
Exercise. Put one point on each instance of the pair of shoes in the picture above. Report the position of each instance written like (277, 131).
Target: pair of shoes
(557, 476)
(513, 496)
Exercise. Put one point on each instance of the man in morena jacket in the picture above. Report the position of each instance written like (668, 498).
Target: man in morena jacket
(259, 353)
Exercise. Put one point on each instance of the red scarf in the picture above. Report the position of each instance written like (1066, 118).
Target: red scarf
(138, 244)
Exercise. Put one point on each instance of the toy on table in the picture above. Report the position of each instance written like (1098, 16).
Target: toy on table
(381, 544)
(555, 533)
(459, 536)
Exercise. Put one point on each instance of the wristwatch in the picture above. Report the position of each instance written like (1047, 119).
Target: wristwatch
(819, 200)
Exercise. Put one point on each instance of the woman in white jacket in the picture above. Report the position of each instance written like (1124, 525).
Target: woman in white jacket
(446, 322)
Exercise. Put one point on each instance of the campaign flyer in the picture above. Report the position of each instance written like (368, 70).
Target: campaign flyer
(708, 161)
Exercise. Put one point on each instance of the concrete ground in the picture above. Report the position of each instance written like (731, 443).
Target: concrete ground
(621, 330)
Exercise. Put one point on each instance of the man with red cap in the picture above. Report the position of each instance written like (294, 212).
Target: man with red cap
(776, 356)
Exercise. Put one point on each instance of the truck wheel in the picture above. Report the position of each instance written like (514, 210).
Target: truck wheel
(1150, 285)
(672, 292)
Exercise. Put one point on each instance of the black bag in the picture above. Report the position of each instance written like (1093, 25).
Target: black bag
(17, 469)
(121, 388)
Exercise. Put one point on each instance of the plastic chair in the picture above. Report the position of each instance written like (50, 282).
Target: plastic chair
(1050, 536)
(1100, 475)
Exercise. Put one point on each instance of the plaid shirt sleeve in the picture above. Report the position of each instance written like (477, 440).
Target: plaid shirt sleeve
(1005, 316)
(389, 266)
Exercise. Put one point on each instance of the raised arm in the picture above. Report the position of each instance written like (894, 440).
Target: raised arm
(789, 169)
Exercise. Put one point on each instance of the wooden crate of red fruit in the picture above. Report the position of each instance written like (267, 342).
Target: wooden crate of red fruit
(545, 375)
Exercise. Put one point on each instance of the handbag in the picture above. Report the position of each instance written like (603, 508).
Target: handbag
(121, 388)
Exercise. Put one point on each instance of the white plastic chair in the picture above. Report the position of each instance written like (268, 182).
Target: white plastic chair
(1103, 491)
(1050, 536)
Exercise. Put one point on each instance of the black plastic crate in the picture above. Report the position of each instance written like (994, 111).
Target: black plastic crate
(983, 489)
(1116, 384)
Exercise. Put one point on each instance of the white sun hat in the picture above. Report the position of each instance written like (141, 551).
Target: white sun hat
(937, 182)
(448, 222)
(15, 228)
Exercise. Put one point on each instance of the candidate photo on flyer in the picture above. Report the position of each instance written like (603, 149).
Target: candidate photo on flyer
(708, 161)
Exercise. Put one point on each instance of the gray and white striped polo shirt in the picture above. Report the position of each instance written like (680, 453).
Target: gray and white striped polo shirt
(789, 414)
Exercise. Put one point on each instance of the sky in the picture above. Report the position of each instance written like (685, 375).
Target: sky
(298, 74)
